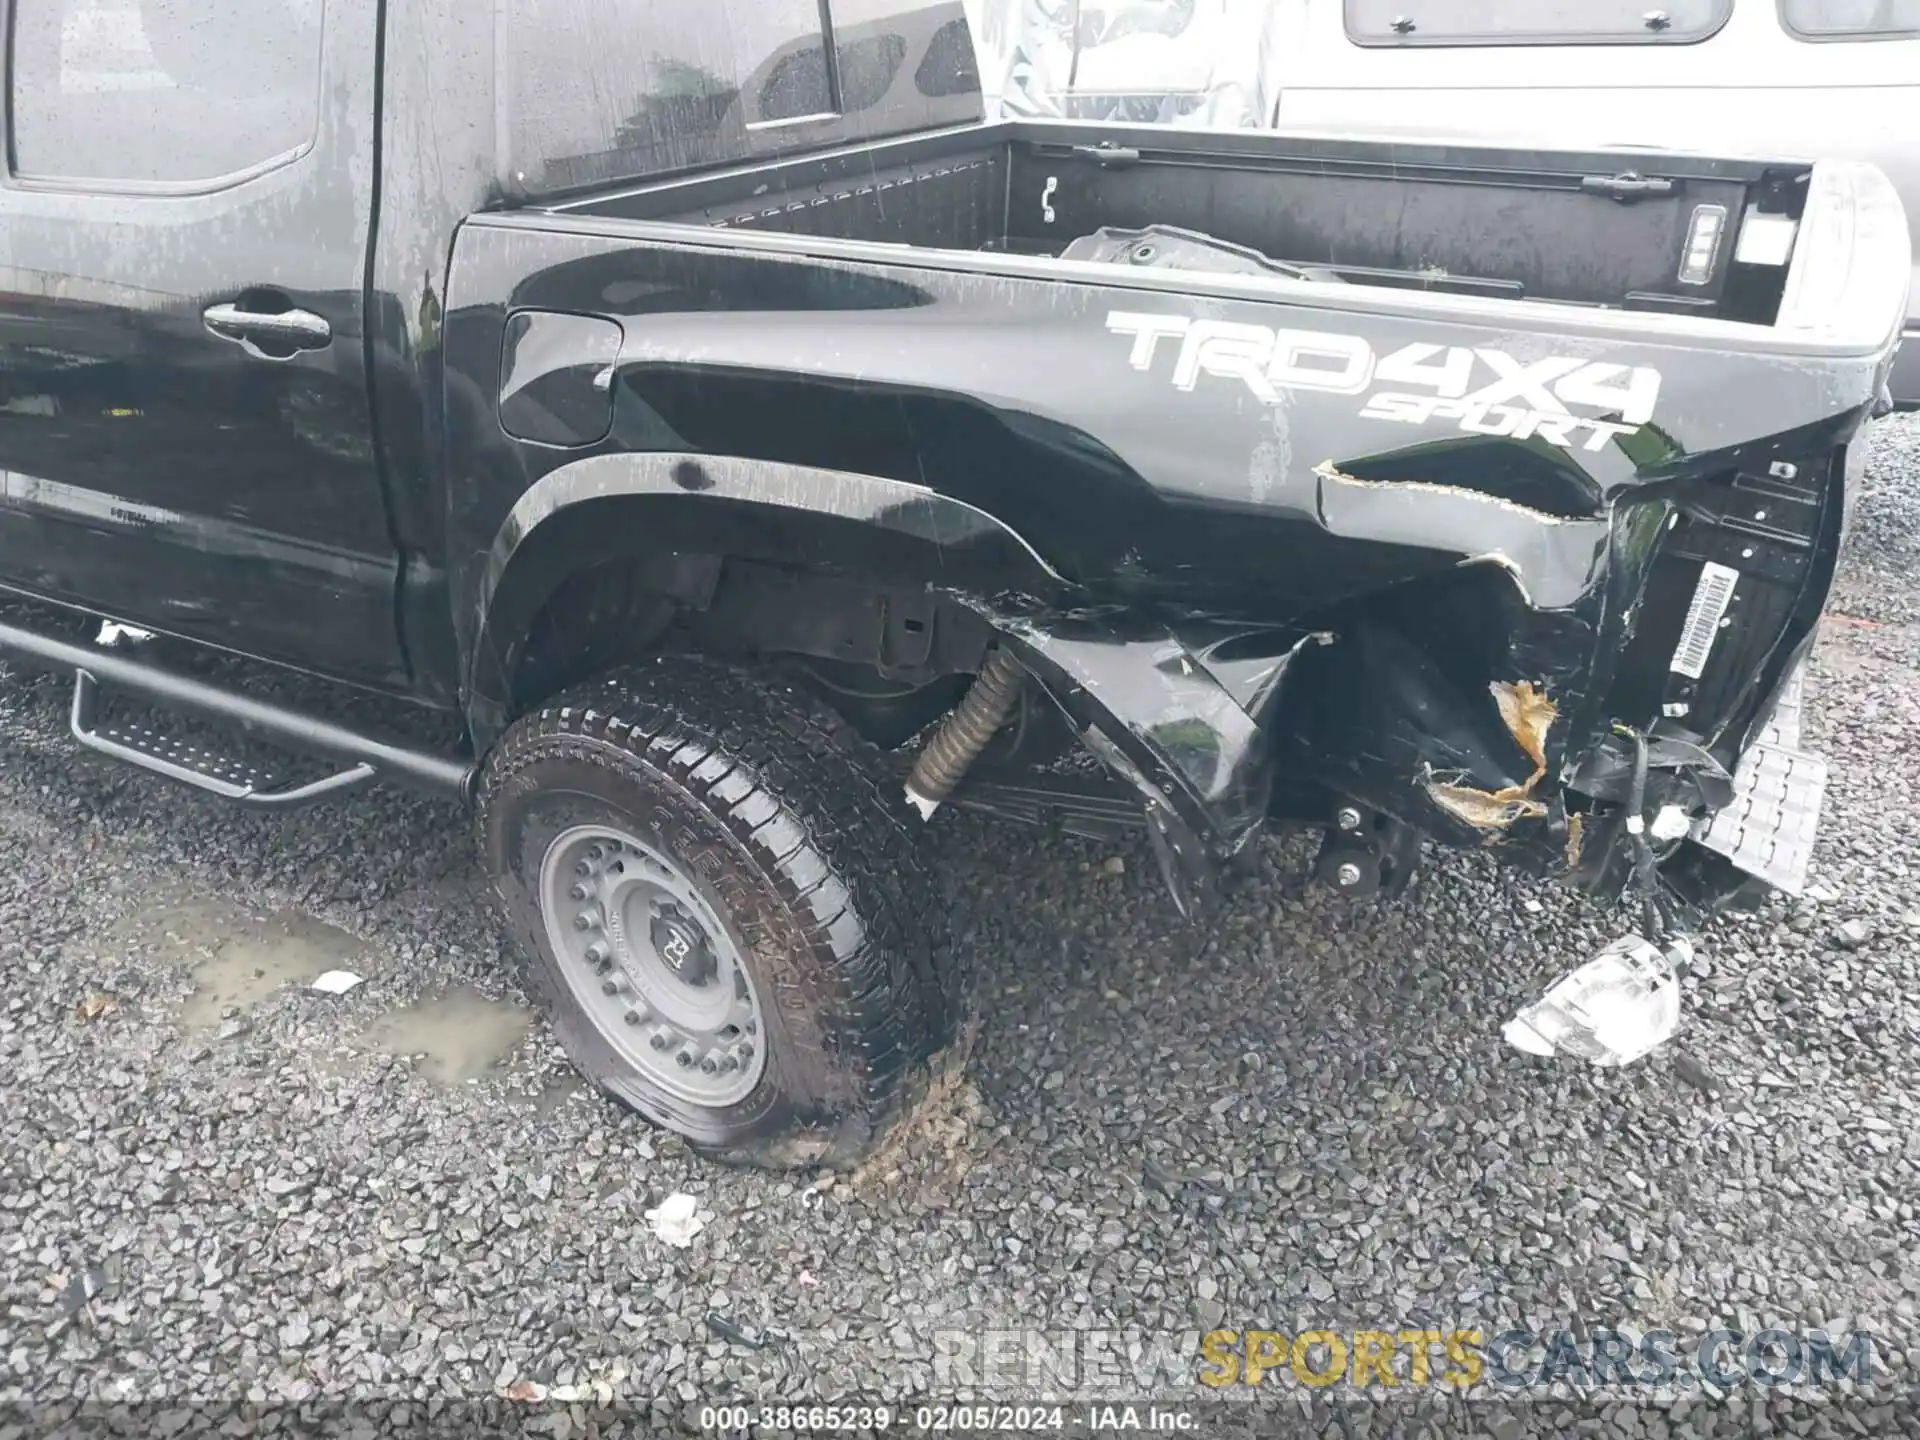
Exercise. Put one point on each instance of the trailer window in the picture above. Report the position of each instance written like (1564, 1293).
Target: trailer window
(1534, 22)
(1851, 19)
(801, 85)
(950, 66)
(611, 90)
(161, 94)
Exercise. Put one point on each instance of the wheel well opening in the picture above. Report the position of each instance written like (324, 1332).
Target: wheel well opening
(889, 657)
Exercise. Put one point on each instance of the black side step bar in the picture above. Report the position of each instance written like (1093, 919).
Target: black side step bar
(202, 769)
(364, 758)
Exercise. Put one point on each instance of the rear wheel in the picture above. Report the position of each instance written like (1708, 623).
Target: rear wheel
(720, 904)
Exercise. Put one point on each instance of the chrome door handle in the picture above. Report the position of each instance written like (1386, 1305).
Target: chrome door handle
(286, 331)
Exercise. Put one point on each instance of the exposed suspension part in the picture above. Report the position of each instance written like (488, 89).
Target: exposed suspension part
(965, 732)
(1367, 853)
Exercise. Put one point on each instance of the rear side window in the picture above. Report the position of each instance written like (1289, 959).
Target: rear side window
(609, 90)
(1851, 19)
(170, 94)
(1533, 22)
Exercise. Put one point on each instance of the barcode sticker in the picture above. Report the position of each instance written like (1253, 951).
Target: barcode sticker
(1710, 600)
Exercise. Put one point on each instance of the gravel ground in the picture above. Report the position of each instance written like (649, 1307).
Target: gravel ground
(217, 1183)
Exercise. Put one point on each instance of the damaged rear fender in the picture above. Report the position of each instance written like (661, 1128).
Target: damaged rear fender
(1554, 560)
(1188, 743)
(1181, 724)
(603, 507)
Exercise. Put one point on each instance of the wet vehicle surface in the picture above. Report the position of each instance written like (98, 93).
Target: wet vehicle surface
(751, 452)
(1285, 537)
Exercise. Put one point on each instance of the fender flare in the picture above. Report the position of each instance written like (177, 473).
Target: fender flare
(712, 495)
(1157, 715)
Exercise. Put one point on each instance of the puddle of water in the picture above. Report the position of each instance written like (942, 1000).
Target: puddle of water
(459, 1036)
(238, 958)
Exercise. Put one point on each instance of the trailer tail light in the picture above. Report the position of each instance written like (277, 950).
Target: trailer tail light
(1709, 223)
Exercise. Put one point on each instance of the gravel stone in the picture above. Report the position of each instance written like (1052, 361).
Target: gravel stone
(1852, 934)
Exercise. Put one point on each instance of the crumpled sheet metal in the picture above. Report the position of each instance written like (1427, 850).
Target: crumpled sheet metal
(1175, 711)
(1553, 559)
(1167, 723)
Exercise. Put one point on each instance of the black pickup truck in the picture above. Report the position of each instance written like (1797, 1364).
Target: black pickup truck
(755, 451)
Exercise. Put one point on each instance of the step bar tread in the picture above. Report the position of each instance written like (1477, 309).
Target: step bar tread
(360, 757)
(229, 779)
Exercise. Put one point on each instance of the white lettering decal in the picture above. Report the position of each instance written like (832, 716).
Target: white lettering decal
(1413, 365)
(1350, 373)
(1528, 383)
(1523, 400)
(1408, 409)
(1594, 385)
(1230, 351)
(1148, 331)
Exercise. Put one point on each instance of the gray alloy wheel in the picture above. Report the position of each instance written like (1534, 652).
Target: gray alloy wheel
(654, 966)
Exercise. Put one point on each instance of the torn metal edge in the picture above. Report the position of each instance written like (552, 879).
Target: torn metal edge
(1528, 714)
(1329, 471)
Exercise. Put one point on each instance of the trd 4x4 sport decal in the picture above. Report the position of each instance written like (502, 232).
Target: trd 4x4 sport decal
(1487, 392)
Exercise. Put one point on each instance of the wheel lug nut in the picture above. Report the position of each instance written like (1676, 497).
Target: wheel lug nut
(583, 922)
(745, 1049)
(660, 1041)
(684, 1059)
(611, 987)
(580, 892)
(633, 1017)
(708, 1066)
(583, 870)
(597, 852)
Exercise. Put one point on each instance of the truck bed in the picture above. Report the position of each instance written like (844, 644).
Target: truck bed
(1171, 411)
(1609, 229)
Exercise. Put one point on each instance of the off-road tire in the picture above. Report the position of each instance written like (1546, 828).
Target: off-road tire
(804, 851)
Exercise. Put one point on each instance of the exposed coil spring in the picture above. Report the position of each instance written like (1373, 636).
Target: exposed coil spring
(965, 733)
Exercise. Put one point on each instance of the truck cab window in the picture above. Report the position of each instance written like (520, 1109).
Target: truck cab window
(798, 86)
(609, 90)
(867, 68)
(603, 89)
(161, 92)
(1534, 22)
(1851, 19)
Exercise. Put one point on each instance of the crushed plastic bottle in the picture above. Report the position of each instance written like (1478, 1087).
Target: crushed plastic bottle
(1612, 1010)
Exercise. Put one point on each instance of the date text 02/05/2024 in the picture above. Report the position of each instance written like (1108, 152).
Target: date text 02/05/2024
(967, 1418)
